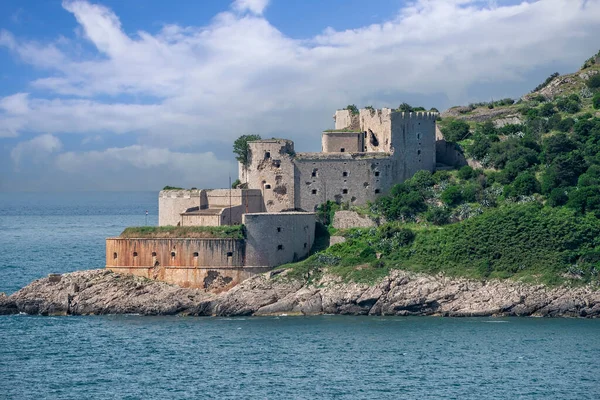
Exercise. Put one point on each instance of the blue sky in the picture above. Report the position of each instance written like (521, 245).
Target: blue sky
(138, 94)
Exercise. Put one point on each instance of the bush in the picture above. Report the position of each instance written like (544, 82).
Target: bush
(596, 101)
(594, 82)
(565, 124)
(486, 129)
(455, 131)
(525, 184)
(466, 173)
(556, 145)
(585, 199)
(421, 180)
(470, 193)
(557, 197)
(353, 109)
(441, 176)
(547, 110)
(401, 203)
(438, 215)
(479, 148)
(452, 195)
(570, 105)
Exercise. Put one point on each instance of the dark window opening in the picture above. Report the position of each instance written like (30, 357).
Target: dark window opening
(229, 254)
(419, 152)
(172, 254)
(267, 154)
(314, 173)
(280, 247)
(195, 254)
(278, 229)
(365, 133)
(276, 163)
(267, 186)
(344, 173)
(345, 191)
(115, 256)
(377, 191)
(135, 253)
(314, 191)
(305, 245)
(342, 150)
(153, 254)
(373, 138)
(376, 173)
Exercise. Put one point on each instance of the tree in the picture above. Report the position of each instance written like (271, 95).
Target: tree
(486, 129)
(421, 180)
(564, 171)
(586, 199)
(556, 145)
(547, 110)
(240, 148)
(455, 131)
(480, 147)
(466, 173)
(353, 109)
(405, 107)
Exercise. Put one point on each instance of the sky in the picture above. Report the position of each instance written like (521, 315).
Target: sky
(139, 94)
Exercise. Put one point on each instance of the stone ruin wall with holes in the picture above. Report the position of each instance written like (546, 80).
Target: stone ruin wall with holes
(216, 264)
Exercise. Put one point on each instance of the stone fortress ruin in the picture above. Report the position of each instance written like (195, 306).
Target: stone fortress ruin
(362, 158)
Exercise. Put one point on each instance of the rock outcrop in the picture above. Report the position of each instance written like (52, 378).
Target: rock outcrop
(399, 293)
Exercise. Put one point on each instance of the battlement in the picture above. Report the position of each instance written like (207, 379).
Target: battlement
(179, 193)
(427, 115)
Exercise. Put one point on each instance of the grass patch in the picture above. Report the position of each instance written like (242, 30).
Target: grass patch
(216, 232)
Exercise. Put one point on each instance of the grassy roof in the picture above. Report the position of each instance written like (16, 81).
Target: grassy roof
(209, 232)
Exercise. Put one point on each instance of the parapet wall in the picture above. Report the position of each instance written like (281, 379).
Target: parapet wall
(211, 264)
(274, 239)
(171, 203)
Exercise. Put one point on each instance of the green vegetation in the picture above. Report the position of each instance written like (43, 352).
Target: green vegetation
(353, 109)
(531, 213)
(220, 232)
(240, 147)
(546, 82)
(172, 188)
(405, 107)
(236, 183)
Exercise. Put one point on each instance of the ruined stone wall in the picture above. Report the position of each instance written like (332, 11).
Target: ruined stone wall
(348, 142)
(355, 179)
(274, 239)
(413, 142)
(377, 125)
(346, 219)
(271, 170)
(212, 264)
(201, 220)
(344, 119)
(235, 197)
(171, 203)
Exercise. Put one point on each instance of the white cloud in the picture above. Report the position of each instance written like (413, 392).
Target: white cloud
(254, 6)
(35, 150)
(239, 74)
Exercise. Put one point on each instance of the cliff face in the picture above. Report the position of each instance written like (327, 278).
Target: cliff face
(400, 293)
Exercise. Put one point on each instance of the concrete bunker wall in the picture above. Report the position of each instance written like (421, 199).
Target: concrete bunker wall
(274, 239)
(342, 179)
(212, 264)
(171, 203)
(270, 170)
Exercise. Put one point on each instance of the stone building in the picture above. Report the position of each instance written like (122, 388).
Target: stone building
(361, 158)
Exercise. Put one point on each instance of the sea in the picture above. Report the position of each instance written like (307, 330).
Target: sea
(285, 357)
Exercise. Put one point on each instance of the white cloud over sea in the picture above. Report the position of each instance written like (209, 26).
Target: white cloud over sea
(179, 92)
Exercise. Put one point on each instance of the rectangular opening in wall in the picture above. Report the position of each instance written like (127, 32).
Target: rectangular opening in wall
(153, 254)
(314, 191)
(267, 186)
(229, 254)
(376, 173)
(345, 191)
(278, 229)
(267, 155)
(135, 254)
(279, 247)
(195, 254)
(377, 191)
(305, 245)
(342, 150)
(114, 256)
(314, 172)
(344, 173)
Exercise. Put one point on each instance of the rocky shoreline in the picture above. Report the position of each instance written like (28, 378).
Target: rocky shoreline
(100, 292)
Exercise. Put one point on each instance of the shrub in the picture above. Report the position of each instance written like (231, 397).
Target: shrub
(479, 148)
(421, 180)
(401, 203)
(594, 82)
(556, 145)
(353, 109)
(172, 188)
(558, 197)
(525, 184)
(585, 199)
(565, 124)
(441, 176)
(455, 131)
(235, 183)
(452, 195)
(466, 173)
(596, 101)
(437, 215)
(547, 110)
(570, 105)
(470, 193)
(486, 129)
(511, 129)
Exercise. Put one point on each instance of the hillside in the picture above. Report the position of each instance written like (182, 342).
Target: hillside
(529, 210)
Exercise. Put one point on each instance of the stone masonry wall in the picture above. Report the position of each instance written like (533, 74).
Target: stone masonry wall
(171, 203)
(346, 178)
(271, 170)
(211, 264)
(351, 219)
(333, 142)
(344, 119)
(413, 143)
(274, 239)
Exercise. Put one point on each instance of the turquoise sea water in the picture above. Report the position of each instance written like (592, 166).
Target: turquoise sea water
(134, 357)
